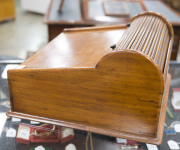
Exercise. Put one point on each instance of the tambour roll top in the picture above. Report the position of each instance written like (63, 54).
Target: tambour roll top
(151, 34)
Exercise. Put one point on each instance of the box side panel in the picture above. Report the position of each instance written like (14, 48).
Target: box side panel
(124, 98)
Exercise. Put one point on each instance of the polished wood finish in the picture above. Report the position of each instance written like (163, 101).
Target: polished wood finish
(78, 81)
(163, 111)
(99, 130)
(7, 10)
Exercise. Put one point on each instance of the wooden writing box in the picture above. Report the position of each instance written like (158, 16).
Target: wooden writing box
(78, 81)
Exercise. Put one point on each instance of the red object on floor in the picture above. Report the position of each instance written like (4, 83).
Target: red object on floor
(53, 138)
(66, 139)
(67, 134)
(23, 134)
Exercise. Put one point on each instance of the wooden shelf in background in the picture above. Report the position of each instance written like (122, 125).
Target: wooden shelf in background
(7, 10)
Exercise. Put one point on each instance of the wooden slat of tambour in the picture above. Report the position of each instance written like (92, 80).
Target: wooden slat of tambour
(154, 50)
(151, 38)
(149, 31)
(130, 36)
(166, 64)
(159, 48)
(140, 26)
(164, 54)
(132, 29)
(141, 33)
(163, 49)
(120, 43)
(159, 55)
(125, 35)
(122, 39)
(150, 35)
(158, 42)
(144, 34)
(155, 38)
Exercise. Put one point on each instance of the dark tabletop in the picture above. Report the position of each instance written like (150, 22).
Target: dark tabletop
(71, 12)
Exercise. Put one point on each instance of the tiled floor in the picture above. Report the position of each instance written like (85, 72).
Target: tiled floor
(26, 33)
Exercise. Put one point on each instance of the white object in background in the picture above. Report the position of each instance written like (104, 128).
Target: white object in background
(67, 132)
(176, 99)
(70, 147)
(121, 141)
(11, 132)
(3, 121)
(38, 6)
(15, 119)
(34, 122)
(4, 74)
(39, 148)
(151, 147)
(173, 144)
(177, 127)
(20, 66)
(24, 134)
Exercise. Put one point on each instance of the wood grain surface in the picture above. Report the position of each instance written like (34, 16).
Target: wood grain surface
(76, 49)
(78, 81)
